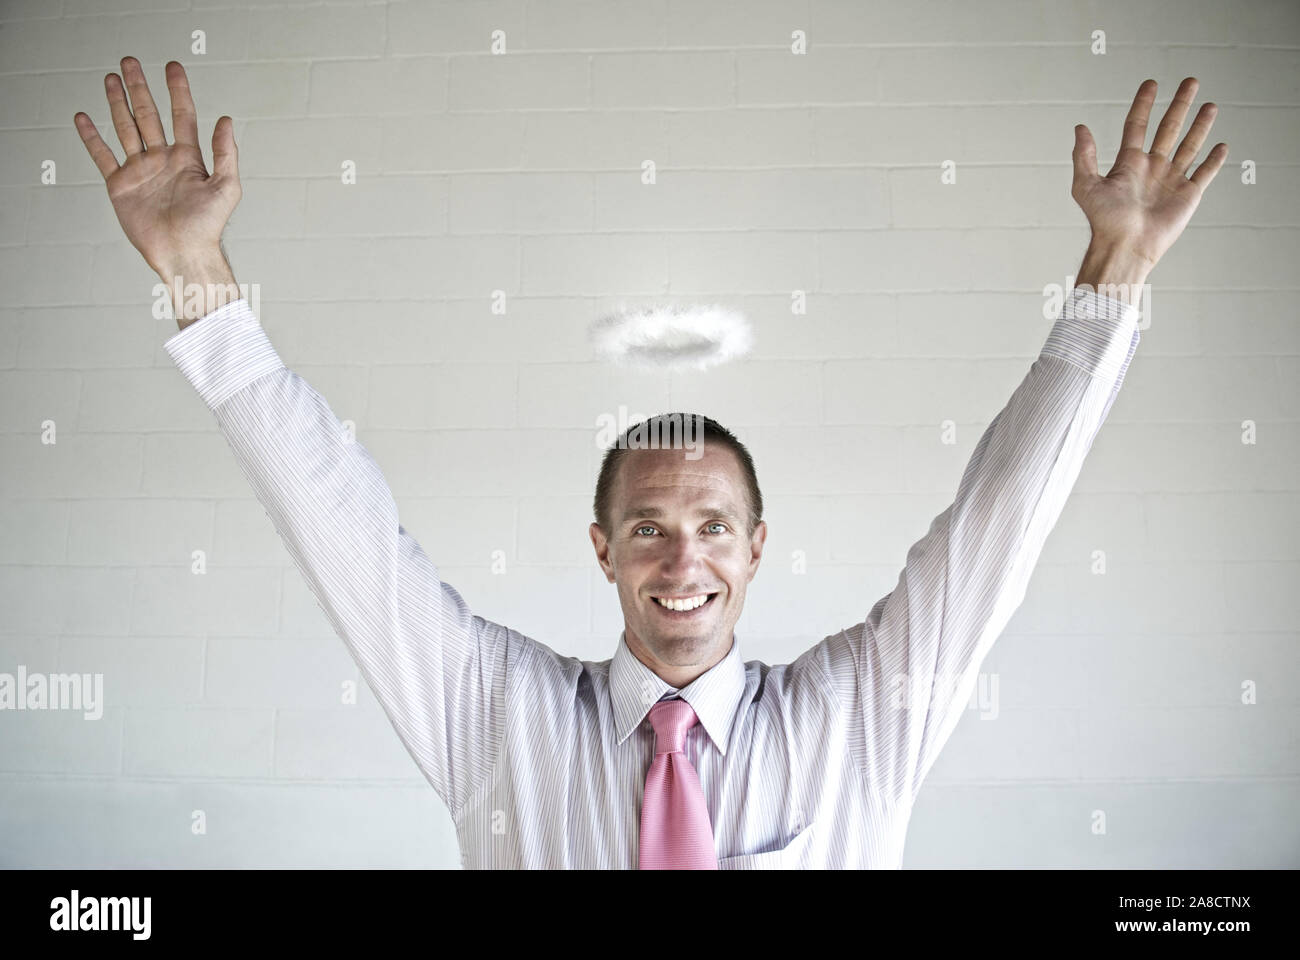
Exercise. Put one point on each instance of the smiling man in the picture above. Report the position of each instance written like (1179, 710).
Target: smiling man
(684, 539)
(674, 753)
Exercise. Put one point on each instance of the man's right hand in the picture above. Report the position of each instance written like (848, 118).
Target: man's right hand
(171, 209)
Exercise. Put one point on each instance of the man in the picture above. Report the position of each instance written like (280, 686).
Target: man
(674, 753)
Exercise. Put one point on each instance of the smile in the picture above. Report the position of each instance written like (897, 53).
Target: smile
(685, 605)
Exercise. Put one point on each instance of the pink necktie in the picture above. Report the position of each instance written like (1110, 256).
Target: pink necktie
(675, 829)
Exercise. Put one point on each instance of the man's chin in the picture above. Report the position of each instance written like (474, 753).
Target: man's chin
(681, 648)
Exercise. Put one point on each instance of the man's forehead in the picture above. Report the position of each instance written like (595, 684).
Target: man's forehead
(681, 478)
(669, 468)
(658, 480)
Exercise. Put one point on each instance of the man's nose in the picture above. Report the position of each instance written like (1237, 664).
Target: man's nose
(684, 553)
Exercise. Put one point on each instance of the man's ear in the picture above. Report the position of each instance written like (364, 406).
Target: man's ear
(601, 544)
(757, 541)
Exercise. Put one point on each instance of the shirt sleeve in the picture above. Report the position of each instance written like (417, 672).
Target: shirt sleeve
(906, 673)
(438, 670)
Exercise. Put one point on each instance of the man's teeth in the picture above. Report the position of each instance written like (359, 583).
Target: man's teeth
(689, 604)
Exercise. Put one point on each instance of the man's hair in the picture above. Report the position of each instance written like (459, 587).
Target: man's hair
(706, 429)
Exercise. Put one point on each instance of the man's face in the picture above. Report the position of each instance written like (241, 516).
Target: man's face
(679, 529)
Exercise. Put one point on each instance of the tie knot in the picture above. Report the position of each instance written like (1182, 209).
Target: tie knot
(671, 719)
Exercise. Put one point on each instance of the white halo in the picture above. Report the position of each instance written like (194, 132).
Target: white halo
(672, 337)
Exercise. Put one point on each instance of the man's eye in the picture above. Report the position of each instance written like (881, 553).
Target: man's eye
(716, 523)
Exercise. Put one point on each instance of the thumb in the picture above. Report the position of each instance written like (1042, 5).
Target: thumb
(1085, 157)
(225, 155)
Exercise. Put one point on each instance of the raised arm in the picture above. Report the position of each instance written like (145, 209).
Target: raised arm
(906, 672)
(438, 670)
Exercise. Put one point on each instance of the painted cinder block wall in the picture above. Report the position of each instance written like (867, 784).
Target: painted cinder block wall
(522, 172)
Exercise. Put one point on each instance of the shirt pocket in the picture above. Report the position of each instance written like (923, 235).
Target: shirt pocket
(793, 856)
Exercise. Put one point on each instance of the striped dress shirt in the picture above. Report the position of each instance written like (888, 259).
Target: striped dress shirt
(541, 758)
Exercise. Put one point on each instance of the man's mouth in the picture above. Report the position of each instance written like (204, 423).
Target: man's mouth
(682, 607)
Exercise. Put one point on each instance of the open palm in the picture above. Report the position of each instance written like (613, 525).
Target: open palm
(163, 195)
(1146, 199)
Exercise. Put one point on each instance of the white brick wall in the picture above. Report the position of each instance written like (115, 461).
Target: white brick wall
(522, 173)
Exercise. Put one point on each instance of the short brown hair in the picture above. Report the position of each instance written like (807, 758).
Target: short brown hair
(706, 429)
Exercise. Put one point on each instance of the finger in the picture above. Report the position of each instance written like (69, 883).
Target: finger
(225, 155)
(1191, 144)
(1172, 122)
(99, 151)
(185, 124)
(147, 120)
(123, 122)
(1135, 124)
(1210, 166)
(1085, 156)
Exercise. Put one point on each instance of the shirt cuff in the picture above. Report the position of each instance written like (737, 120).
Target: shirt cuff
(223, 352)
(1096, 332)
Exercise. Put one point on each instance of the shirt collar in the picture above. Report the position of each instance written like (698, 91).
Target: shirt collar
(714, 695)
